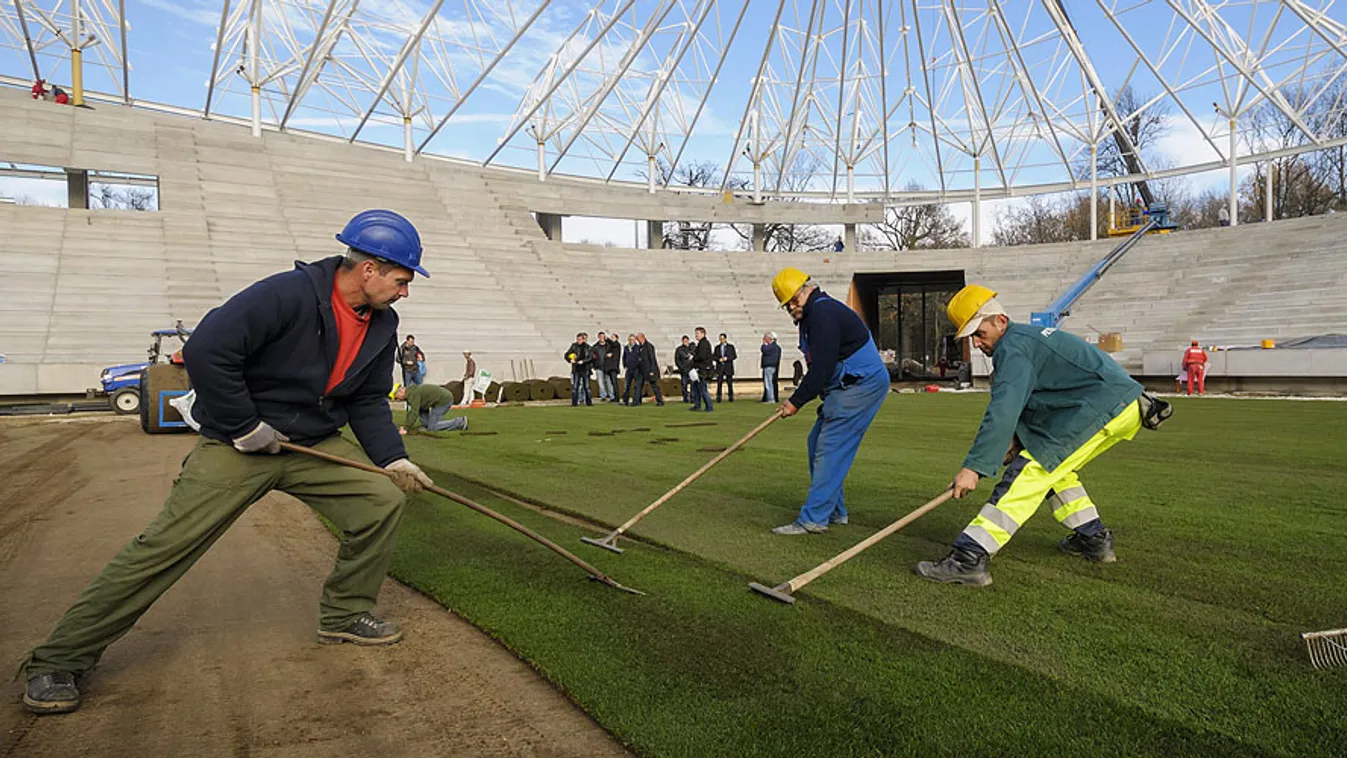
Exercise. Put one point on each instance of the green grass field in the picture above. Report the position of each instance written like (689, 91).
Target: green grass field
(1230, 538)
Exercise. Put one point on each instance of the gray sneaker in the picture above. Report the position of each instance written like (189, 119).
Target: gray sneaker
(52, 693)
(796, 528)
(837, 520)
(365, 630)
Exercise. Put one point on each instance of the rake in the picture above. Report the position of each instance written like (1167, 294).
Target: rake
(594, 573)
(783, 592)
(609, 542)
(1327, 649)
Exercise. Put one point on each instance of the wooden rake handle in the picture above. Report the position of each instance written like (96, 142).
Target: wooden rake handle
(482, 509)
(696, 474)
(828, 565)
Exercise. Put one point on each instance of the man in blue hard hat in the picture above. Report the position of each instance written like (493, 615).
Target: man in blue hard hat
(294, 357)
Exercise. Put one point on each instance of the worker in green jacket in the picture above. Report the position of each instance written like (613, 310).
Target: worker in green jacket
(426, 406)
(1057, 402)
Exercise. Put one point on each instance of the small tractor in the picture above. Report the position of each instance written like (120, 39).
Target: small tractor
(121, 384)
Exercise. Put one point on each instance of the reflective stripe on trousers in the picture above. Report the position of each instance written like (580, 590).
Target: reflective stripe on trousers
(1025, 485)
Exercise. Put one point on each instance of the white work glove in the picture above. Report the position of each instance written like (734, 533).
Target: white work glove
(408, 476)
(692, 376)
(262, 439)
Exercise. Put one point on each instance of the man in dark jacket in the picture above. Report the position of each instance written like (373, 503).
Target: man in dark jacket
(294, 357)
(724, 355)
(683, 362)
(410, 357)
(631, 365)
(598, 359)
(771, 365)
(649, 366)
(703, 363)
(612, 364)
(580, 356)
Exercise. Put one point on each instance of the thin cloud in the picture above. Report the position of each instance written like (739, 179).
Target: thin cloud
(195, 12)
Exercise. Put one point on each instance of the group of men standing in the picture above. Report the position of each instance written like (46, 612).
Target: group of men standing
(697, 362)
(606, 357)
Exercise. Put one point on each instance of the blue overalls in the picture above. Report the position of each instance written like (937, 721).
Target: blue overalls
(855, 391)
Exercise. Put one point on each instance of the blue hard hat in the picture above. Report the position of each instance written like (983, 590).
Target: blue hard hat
(385, 235)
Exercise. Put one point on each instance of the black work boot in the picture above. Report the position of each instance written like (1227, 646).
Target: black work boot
(1096, 549)
(959, 567)
(367, 629)
(52, 693)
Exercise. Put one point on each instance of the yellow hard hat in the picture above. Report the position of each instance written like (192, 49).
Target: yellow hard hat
(394, 394)
(970, 306)
(787, 282)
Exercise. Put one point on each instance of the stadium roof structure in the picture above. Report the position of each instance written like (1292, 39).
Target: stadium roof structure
(831, 99)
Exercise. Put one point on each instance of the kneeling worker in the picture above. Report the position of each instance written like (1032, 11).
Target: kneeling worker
(846, 372)
(426, 406)
(1056, 403)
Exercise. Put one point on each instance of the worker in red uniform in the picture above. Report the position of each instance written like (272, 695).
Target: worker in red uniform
(1195, 366)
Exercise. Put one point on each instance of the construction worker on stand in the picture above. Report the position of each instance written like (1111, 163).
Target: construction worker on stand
(294, 357)
(1056, 403)
(847, 374)
(1195, 368)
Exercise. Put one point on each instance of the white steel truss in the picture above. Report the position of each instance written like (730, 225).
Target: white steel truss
(835, 99)
(45, 32)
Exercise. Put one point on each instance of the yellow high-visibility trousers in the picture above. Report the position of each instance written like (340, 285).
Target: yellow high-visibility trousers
(1026, 484)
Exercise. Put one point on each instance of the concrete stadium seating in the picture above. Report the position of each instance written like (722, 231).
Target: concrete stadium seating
(83, 289)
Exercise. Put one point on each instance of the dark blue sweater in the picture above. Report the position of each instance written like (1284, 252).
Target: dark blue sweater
(829, 332)
(631, 357)
(267, 352)
(771, 355)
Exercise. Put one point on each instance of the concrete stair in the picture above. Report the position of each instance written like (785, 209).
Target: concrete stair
(85, 288)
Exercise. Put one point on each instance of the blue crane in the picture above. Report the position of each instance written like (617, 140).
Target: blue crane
(1061, 307)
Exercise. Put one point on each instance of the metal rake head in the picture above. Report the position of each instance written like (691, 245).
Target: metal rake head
(1327, 649)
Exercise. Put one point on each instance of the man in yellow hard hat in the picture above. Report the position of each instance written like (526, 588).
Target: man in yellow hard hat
(1057, 402)
(847, 374)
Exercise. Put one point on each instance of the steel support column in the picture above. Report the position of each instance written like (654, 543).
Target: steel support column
(977, 201)
(1234, 176)
(1094, 190)
(1267, 196)
(76, 55)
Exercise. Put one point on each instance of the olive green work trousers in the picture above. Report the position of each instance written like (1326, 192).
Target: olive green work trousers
(216, 485)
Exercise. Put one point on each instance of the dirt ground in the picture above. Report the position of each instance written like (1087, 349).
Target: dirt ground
(226, 663)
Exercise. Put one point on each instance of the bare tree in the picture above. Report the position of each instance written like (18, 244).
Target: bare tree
(104, 197)
(1036, 220)
(1199, 212)
(791, 238)
(690, 235)
(1142, 128)
(112, 197)
(141, 199)
(915, 227)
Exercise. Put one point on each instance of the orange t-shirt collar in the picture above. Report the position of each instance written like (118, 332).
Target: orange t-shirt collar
(351, 329)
